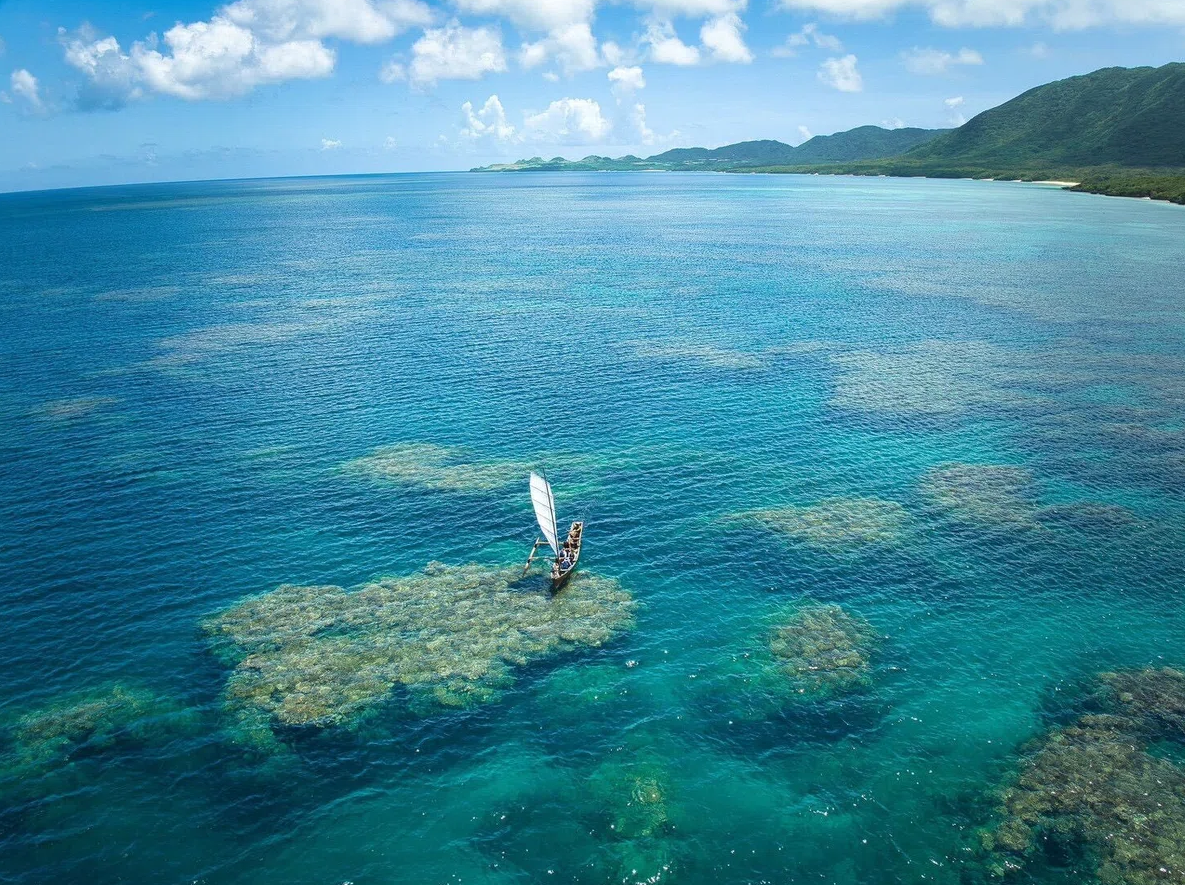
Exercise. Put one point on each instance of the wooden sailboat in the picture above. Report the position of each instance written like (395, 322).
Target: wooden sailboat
(566, 556)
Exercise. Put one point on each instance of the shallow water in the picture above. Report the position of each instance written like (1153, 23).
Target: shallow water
(210, 390)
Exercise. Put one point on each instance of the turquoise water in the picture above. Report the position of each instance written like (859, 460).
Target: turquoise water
(196, 378)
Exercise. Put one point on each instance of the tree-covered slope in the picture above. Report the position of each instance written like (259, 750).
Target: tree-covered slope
(1116, 116)
(864, 143)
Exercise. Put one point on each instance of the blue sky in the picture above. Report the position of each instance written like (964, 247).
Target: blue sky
(100, 92)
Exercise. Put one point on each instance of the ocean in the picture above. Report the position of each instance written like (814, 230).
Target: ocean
(884, 548)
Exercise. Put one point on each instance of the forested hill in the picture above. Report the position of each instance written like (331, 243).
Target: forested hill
(1116, 116)
(864, 143)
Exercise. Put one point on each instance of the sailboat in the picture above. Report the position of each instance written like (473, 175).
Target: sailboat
(567, 556)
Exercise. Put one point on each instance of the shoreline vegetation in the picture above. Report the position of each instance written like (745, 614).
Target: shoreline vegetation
(1118, 132)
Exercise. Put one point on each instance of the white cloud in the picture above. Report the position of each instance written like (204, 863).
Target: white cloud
(219, 59)
(667, 9)
(1038, 50)
(537, 15)
(489, 122)
(809, 34)
(1061, 14)
(938, 61)
(626, 81)
(551, 76)
(454, 52)
(956, 102)
(330, 144)
(389, 143)
(723, 38)
(25, 87)
(112, 78)
(393, 71)
(245, 44)
(842, 74)
(665, 46)
(614, 55)
(805, 133)
(574, 47)
(638, 118)
(893, 123)
(360, 21)
(571, 120)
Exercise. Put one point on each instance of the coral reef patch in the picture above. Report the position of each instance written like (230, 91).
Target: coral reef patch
(441, 468)
(823, 650)
(837, 524)
(451, 636)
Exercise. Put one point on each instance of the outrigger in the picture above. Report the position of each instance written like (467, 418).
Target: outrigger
(567, 556)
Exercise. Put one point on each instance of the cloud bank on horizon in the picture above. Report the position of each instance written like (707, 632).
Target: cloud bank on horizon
(574, 71)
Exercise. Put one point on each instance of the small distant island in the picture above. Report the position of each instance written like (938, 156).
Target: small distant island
(1117, 131)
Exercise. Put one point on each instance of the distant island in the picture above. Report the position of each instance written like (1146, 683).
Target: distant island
(1117, 131)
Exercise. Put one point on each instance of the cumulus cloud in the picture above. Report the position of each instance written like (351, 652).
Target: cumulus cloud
(569, 120)
(938, 61)
(573, 47)
(359, 21)
(455, 52)
(953, 105)
(638, 118)
(809, 34)
(330, 144)
(842, 74)
(389, 143)
(220, 59)
(1060, 14)
(893, 123)
(245, 44)
(25, 88)
(805, 133)
(489, 122)
(956, 102)
(723, 38)
(625, 81)
(535, 15)
(112, 78)
(697, 9)
(665, 46)
(393, 71)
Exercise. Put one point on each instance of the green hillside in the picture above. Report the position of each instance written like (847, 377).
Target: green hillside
(1116, 116)
(864, 143)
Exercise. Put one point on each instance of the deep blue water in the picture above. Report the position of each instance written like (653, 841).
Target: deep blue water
(187, 370)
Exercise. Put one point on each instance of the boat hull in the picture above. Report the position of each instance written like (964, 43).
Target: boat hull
(560, 576)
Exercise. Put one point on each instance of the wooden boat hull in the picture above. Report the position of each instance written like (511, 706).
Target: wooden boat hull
(559, 577)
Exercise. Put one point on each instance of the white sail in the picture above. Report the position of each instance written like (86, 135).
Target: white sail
(544, 504)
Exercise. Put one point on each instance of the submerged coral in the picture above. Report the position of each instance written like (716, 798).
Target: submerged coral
(449, 635)
(49, 736)
(73, 409)
(705, 354)
(1092, 787)
(442, 468)
(1152, 700)
(933, 378)
(985, 494)
(838, 523)
(1088, 516)
(823, 650)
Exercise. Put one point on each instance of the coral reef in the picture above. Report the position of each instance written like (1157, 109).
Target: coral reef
(1152, 700)
(824, 651)
(983, 494)
(932, 378)
(837, 524)
(48, 737)
(450, 635)
(442, 468)
(705, 354)
(1088, 516)
(74, 409)
(1093, 787)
